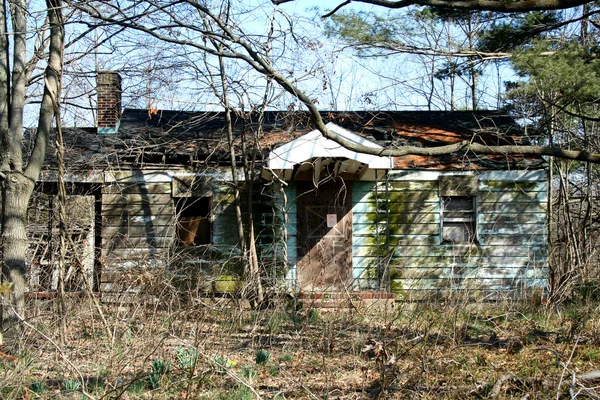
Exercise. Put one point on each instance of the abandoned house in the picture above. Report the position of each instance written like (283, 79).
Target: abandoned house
(151, 192)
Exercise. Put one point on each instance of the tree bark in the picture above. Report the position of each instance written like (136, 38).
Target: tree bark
(16, 192)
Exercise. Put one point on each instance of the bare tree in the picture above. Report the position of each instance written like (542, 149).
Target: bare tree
(170, 21)
(19, 175)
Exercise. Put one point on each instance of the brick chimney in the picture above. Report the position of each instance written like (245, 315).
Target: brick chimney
(108, 85)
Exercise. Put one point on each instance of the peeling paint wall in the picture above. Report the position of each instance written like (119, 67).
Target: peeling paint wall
(397, 238)
(400, 228)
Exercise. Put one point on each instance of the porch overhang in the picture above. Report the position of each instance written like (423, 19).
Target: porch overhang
(313, 152)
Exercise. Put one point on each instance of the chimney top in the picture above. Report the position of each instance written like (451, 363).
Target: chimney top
(108, 86)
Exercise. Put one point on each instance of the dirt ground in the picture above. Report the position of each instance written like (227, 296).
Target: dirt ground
(295, 350)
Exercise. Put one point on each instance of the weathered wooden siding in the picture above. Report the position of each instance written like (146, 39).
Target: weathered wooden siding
(510, 253)
(139, 229)
(396, 232)
(396, 235)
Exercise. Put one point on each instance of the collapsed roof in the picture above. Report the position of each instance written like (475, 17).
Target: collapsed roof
(178, 139)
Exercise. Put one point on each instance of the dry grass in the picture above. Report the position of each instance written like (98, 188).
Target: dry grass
(451, 350)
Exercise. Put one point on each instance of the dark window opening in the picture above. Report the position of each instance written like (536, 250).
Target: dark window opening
(193, 221)
(458, 219)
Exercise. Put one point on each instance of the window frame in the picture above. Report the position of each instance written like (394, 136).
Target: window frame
(470, 219)
(459, 186)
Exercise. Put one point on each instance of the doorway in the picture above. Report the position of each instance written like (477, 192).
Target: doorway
(324, 235)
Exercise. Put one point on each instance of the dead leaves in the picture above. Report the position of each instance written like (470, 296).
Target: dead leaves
(375, 350)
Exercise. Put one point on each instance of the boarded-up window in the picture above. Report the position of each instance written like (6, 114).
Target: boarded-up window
(458, 219)
(193, 221)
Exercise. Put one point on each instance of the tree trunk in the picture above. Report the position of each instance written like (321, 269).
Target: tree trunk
(16, 192)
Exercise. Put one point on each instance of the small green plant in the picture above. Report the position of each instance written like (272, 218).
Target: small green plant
(160, 370)
(186, 358)
(137, 387)
(249, 372)
(38, 387)
(591, 355)
(262, 356)
(72, 385)
(286, 357)
(273, 370)
(275, 323)
(224, 363)
(312, 315)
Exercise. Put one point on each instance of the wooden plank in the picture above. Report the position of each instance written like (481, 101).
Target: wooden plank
(74, 176)
(138, 210)
(405, 229)
(512, 197)
(135, 253)
(139, 218)
(406, 197)
(124, 242)
(397, 240)
(120, 263)
(137, 187)
(408, 175)
(395, 218)
(501, 186)
(497, 239)
(436, 262)
(399, 207)
(138, 176)
(403, 240)
(454, 251)
(138, 231)
(413, 265)
(135, 198)
(513, 207)
(470, 271)
(395, 187)
(512, 176)
(514, 229)
(507, 219)
(363, 263)
(471, 284)
(413, 185)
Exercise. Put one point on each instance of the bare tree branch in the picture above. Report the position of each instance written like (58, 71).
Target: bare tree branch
(229, 42)
(482, 5)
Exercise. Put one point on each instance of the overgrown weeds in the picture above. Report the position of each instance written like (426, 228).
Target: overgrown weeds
(216, 349)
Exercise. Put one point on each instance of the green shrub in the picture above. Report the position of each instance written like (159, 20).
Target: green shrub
(160, 370)
(186, 358)
(71, 385)
(262, 356)
(38, 387)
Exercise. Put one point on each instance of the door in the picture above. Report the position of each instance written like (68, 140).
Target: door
(324, 236)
